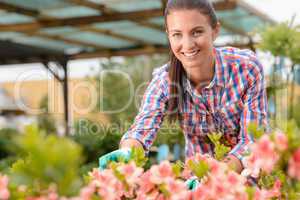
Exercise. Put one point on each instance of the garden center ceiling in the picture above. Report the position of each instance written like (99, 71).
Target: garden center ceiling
(101, 28)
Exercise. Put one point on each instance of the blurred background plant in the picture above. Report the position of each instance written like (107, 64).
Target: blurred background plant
(46, 121)
(46, 162)
(8, 149)
(283, 42)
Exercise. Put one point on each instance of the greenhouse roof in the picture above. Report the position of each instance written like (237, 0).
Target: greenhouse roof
(98, 28)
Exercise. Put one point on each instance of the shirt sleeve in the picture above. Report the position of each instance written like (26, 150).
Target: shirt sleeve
(255, 108)
(151, 112)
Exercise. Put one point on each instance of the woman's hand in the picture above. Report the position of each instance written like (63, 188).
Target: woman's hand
(117, 155)
(234, 162)
(124, 153)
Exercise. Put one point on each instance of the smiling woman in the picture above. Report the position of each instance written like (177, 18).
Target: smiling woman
(206, 89)
(191, 37)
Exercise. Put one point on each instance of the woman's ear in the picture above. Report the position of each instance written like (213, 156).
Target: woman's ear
(167, 32)
(216, 31)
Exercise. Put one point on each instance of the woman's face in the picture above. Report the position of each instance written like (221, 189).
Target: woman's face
(191, 37)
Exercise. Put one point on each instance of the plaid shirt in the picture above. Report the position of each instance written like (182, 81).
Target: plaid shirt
(235, 97)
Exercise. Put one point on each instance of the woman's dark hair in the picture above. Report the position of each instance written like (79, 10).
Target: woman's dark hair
(176, 71)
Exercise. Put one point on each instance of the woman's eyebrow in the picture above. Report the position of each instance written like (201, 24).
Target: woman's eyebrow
(175, 30)
(197, 27)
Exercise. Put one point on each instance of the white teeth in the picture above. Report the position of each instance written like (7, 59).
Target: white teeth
(190, 54)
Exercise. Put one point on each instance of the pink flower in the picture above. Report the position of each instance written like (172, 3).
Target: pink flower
(234, 179)
(263, 156)
(87, 192)
(107, 185)
(145, 183)
(4, 193)
(275, 191)
(265, 146)
(281, 141)
(263, 194)
(201, 193)
(178, 189)
(131, 172)
(294, 165)
(161, 173)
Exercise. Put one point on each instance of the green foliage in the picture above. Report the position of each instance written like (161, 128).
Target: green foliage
(45, 121)
(162, 188)
(47, 160)
(86, 168)
(293, 135)
(177, 168)
(115, 87)
(251, 192)
(267, 180)
(8, 149)
(220, 150)
(170, 134)
(7, 146)
(294, 52)
(277, 39)
(6, 163)
(138, 156)
(200, 169)
(95, 139)
(296, 115)
(255, 130)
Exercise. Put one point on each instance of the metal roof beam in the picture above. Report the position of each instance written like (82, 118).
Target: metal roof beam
(123, 52)
(66, 40)
(35, 13)
(100, 7)
(79, 21)
(225, 5)
(112, 34)
(104, 10)
(17, 9)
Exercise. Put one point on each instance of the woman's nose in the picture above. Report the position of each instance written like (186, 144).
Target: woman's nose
(188, 43)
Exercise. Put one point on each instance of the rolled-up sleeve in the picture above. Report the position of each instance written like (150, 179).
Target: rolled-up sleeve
(151, 112)
(255, 108)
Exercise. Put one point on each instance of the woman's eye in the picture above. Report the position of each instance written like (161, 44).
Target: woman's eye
(197, 33)
(176, 35)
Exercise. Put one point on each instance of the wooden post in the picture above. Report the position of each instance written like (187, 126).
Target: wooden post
(64, 65)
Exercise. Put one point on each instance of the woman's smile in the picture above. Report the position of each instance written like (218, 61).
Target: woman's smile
(191, 54)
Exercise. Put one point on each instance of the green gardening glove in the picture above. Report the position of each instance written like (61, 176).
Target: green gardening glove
(123, 154)
(192, 183)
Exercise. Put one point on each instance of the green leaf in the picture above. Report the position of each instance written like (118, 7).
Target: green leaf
(177, 168)
(220, 150)
(200, 169)
(250, 191)
(255, 130)
(138, 156)
(162, 188)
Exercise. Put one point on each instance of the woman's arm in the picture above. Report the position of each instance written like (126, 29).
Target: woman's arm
(254, 111)
(129, 143)
(151, 113)
(234, 163)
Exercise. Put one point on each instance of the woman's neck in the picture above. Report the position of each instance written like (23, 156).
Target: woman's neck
(202, 76)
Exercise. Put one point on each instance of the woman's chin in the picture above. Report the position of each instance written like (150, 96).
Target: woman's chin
(191, 65)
